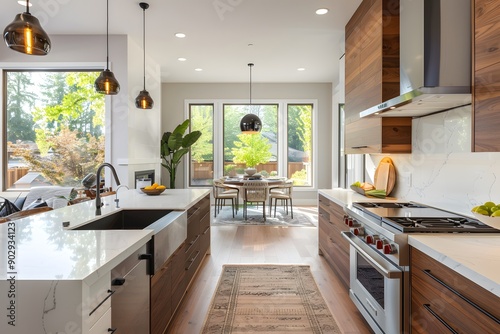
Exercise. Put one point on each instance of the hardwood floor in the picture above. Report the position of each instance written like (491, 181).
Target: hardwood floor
(264, 244)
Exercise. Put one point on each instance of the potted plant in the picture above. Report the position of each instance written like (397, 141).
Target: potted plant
(251, 149)
(174, 145)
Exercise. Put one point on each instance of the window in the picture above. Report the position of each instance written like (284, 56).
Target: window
(351, 166)
(202, 152)
(250, 150)
(54, 126)
(284, 147)
(299, 124)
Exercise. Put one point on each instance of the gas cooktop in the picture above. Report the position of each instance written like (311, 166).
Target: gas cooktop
(414, 217)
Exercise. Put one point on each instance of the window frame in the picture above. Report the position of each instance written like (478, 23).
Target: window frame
(41, 67)
(282, 134)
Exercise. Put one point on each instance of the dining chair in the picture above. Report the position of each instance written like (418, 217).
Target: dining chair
(255, 192)
(282, 192)
(221, 193)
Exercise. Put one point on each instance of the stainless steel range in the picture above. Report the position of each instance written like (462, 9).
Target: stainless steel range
(379, 255)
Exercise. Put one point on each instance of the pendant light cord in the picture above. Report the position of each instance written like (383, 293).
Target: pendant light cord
(144, 45)
(27, 6)
(107, 34)
(250, 65)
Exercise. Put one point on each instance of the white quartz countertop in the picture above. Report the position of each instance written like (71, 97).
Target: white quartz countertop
(476, 257)
(41, 248)
(344, 197)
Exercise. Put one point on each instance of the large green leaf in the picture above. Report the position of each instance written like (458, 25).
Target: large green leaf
(181, 128)
(190, 139)
(175, 141)
(176, 158)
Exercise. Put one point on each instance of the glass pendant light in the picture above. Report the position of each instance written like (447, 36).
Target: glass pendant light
(106, 83)
(144, 100)
(26, 35)
(250, 123)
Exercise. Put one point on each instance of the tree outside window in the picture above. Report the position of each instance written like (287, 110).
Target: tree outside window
(300, 144)
(54, 128)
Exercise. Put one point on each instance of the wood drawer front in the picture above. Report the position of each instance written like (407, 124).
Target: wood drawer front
(422, 319)
(459, 313)
(161, 308)
(336, 257)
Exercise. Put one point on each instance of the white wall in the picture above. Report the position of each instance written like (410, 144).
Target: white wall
(442, 169)
(174, 95)
(132, 135)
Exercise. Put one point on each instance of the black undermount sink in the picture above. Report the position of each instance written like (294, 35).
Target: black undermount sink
(126, 220)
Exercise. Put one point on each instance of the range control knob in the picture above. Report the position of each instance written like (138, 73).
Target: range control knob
(351, 222)
(379, 244)
(346, 220)
(371, 239)
(357, 230)
(389, 249)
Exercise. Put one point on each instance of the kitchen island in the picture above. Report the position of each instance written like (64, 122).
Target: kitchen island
(53, 277)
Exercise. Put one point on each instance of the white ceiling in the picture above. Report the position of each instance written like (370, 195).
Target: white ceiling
(286, 34)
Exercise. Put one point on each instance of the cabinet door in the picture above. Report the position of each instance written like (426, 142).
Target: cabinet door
(332, 245)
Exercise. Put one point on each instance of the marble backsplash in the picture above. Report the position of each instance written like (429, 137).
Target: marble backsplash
(442, 171)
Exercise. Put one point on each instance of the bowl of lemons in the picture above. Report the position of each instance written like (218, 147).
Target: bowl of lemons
(488, 213)
(154, 189)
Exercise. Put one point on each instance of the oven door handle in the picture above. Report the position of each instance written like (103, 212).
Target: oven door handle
(385, 268)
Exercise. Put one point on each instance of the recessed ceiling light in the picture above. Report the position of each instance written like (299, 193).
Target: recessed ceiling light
(181, 59)
(23, 3)
(198, 69)
(180, 35)
(322, 11)
(301, 69)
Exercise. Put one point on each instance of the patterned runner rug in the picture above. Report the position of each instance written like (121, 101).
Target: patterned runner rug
(268, 299)
(302, 216)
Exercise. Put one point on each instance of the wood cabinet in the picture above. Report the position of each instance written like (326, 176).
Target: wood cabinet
(486, 68)
(170, 283)
(372, 77)
(378, 135)
(443, 301)
(371, 56)
(332, 245)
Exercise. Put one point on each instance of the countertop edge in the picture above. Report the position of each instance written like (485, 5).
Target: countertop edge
(455, 265)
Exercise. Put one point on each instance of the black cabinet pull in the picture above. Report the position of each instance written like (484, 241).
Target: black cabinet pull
(149, 258)
(468, 301)
(441, 320)
(118, 281)
(191, 243)
(112, 330)
(110, 292)
(358, 147)
(206, 230)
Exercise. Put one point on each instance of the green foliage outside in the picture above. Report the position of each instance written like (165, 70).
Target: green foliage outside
(299, 178)
(251, 149)
(202, 120)
(68, 123)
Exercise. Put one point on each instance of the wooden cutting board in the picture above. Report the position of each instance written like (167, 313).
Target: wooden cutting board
(385, 175)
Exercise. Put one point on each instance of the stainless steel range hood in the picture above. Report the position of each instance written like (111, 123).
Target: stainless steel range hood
(435, 59)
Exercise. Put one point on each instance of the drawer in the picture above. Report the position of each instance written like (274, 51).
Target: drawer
(448, 297)
(103, 324)
(96, 300)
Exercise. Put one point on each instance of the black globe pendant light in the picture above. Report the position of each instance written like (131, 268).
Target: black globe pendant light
(106, 83)
(144, 100)
(250, 123)
(26, 35)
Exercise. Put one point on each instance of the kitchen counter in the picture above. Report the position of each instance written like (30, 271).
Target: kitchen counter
(45, 250)
(476, 257)
(344, 197)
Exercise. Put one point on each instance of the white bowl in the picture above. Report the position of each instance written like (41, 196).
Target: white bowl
(490, 221)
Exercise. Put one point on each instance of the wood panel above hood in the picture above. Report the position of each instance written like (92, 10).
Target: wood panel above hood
(371, 56)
